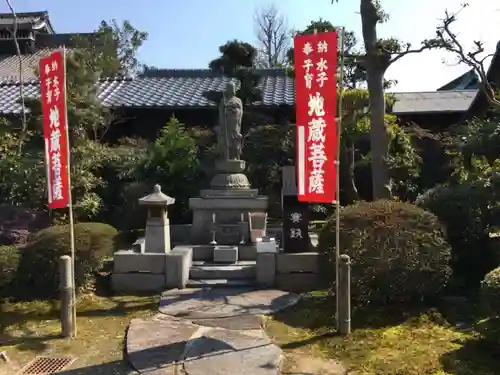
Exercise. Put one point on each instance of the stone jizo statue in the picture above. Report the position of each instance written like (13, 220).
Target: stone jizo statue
(228, 130)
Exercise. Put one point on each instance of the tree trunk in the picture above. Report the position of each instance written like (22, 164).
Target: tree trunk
(379, 138)
(347, 172)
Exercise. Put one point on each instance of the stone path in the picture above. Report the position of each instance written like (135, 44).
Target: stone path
(209, 331)
(224, 302)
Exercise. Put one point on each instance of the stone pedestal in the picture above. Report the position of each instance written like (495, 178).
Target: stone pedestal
(143, 268)
(230, 198)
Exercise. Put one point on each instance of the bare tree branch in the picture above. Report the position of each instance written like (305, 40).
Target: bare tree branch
(273, 35)
(449, 41)
(408, 50)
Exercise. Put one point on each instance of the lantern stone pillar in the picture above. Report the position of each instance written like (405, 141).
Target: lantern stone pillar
(158, 225)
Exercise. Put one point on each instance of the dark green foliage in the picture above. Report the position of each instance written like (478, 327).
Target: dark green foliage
(38, 273)
(490, 292)
(398, 251)
(235, 55)
(118, 181)
(9, 262)
(237, 60)
(172, 161)
(468, 215)
(267, 148)
(490, 303)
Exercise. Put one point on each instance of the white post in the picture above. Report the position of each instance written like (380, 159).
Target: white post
(70, 200)
(337, 194)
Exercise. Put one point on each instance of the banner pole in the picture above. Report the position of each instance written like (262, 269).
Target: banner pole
(70, 201)
(337, 187)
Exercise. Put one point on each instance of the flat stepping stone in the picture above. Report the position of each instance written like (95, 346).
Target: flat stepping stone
(224, 302)
(228, 352)
(242, 323)
(154, 347)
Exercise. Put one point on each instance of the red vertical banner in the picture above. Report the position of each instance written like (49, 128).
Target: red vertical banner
(315, 108)
(55, 128)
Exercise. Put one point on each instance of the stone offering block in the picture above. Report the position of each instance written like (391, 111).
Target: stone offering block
(225, 254)
(266, 245)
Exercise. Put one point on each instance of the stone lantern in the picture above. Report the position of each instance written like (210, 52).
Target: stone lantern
(158, 225)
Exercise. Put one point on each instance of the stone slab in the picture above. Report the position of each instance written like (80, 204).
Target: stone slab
(222, 271)
(220, 283)
(242, 193)
(178, 263)
(224, 302)
(243, 323)
(227, 211)
(137, 282)
(205, 252)
(225, 254)
(129, 261)
(300, 262)
(229, 203)
(154, 347)
(227, 352)
(266, 269)
(230, 166)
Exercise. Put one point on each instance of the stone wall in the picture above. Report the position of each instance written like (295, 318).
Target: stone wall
(298, 272)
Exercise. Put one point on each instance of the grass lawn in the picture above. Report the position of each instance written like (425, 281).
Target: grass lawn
(32, 328)
(383, 343)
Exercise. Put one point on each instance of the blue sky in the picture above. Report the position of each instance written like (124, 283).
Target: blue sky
(187, 33)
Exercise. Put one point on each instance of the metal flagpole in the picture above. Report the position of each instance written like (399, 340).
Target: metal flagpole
(70, 200)
(337, 193)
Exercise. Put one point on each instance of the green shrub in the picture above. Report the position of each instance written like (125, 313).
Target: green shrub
(467, 213)
(398, 251)
(9, 262)
(490, 302)
(490, 292)
(39, 266)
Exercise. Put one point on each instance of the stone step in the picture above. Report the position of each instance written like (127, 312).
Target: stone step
(211, 263)
(213, 283)
(218, 271)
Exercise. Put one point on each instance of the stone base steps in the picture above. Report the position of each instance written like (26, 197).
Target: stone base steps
(213, 283)
(211, 274)
(219, 271)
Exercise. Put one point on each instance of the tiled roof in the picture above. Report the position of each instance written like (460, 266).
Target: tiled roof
(9, 66)
(434, 101)
(186, 88)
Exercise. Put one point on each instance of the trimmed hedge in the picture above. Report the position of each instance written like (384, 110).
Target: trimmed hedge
(9, 263)
(468, 212)
(39, 267)
(398, 251)
(490, 292)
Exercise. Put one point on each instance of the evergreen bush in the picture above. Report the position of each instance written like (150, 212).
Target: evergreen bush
(398, 251)
(9, 262)
(39, 265)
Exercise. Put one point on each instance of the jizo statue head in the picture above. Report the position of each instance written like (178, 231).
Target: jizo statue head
(230, 90)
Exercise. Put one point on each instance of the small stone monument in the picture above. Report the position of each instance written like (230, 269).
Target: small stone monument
(158, 224)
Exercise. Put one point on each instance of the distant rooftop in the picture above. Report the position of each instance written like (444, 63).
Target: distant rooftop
(28, 20)
(186, 88)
